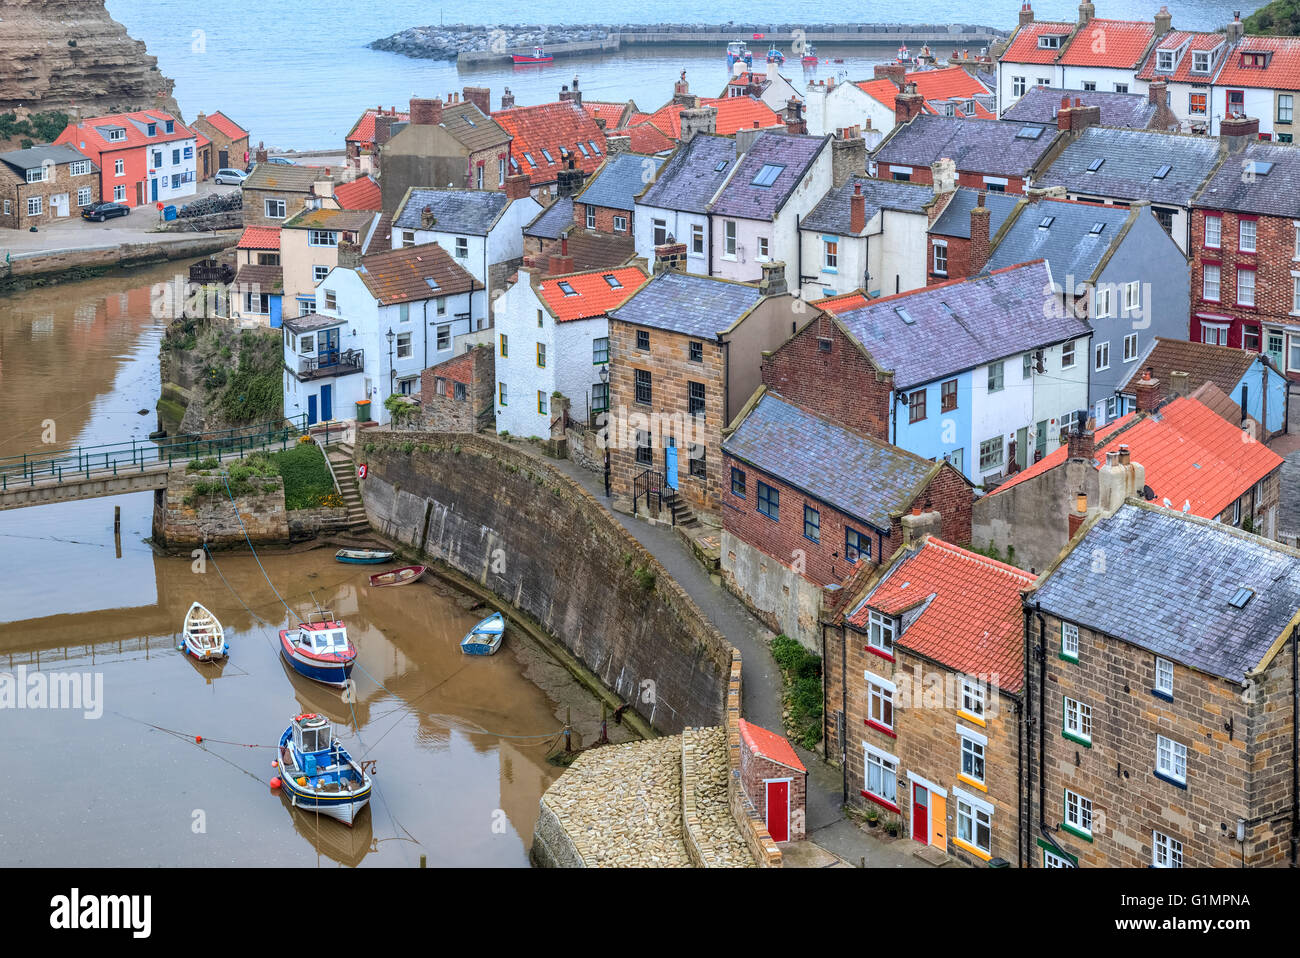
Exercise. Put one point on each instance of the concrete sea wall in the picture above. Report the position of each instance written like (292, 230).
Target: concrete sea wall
(43, 267)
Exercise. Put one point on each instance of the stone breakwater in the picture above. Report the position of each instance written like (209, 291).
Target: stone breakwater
(447, 43)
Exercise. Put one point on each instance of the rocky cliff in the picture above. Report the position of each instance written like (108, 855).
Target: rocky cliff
(70, 55)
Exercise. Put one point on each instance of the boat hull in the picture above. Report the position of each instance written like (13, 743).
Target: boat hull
(403, 576)
(520, 59)
(363, 556)
(485, 638)
(207, 656)
(342, 804)
(334, 674)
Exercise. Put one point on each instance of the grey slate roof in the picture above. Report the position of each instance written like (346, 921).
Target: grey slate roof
(1133, 111)
(869, 480)
(955, 219)
(455, 211)
(619, 180)
(959, 326)
(1276, 193)
(34, 157)
(831, 215)
(1068, 244)
(742, 199)
(552, 221)
(690, 304)
(992, 147)
(1166, 585)
(1130, 160)
(690, 177)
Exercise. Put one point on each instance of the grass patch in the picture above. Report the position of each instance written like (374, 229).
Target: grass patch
(308, 481)
(801, 690)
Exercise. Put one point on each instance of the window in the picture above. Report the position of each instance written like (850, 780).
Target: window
(549, 159)
(767, 175)
(1069, 641)
(1165, 217)
(176, 157)
(462, 247)
(1201, 61)
(1017, 86)
(444, 337)
(830, 256)
(591, 217)
(660, 232)
(972, 700)
(37, 175)
(941, 258)
(880, 703)
(856, 545)
(972, 755)
(119, 167)
(501, 394)
(642, 339)
(762, 248)
(1132, 296)
(331, 300)
(902, 175)
(995, 377)
(461, 393)
(695, 398)
(1089, 86)
(259, 303)
(1067, 355)
(881, 630)
(620, 224)
(1214, 333)
(541, 402)
(729, 238)
(1130, 347)
(567, 290)
(1078, 721)
(318, 273)
(501, 171)
(1210, 276)
(1053, 860)
(600, 397)
(79, 168)
(991, 453)
(1171, 760)
(600, 350)
(1213, 231)
(1164, 677)
(643, 454)
(1246, 235)
(974, 823)
(541, 355)
(916, 406)
(1049, 41)
(322, 238)
(1165, 61)
(769, 500)
(1245, 287)
(695, 351)
(812, 524)
(738, 482)
(35, 205)
(1078, 814)
(1236, 513)
(1295, 294)
(119, 193)
(274, 209)
(643, 387)
(881, 775)
(1027, 366)
(505, 346)
(695, 455)
(948, 396)
(408, 238)
(83, 196)
(1121, 87)
(157, 158)
(1101, 302)
(697, 239)
(1165, 851)
(1101, 357)
(403, 345)
(1284, 107)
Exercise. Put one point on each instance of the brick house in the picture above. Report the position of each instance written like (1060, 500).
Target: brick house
(791, 526)
(1166, 718)
(960, 238)
(775, 781)
(44, 183)
(1245, 281)
(995, 155)
(229, 142)
(924, 697)
(456, 395)
(273, 193)
(607, 201)
(452, 143)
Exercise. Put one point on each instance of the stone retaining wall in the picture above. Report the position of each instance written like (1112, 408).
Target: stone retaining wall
(583, 449)
(224, 220)
(213, 519)
(37, 268)
(318, 520)
(747, 818)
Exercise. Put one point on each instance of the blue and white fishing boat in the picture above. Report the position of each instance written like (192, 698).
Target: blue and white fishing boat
(319, 649)
(485, 638)
(737, 52)
(203, 637)
(774, 55)
(318, 773)
(363, 556)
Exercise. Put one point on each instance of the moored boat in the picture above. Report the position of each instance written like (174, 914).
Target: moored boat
(810, 55)
(904, 56)
(485, 638)
(403, 576)
(317, 772)
(203, 636)
(737, 52)
(363, 556)
(319, 649)
(538, 56)
(774, 55)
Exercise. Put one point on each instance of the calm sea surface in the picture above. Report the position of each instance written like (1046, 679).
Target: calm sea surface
(298, 73)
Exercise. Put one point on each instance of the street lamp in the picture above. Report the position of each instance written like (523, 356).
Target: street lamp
(604, 378)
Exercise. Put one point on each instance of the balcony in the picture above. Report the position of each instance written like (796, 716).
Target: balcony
(329, 364)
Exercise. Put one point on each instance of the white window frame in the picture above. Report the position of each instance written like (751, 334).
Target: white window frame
(697, 239)
(882, 630)
(1164, 677)
(1166, 852)
(974, 700)
(976, 745)
(1101, 302)
(762, 254)
(1101, 356)
(35, 205)
(280, 206)
(1216, 334)
(1130, 347)
(1245, 290)
(318, 273)
(1295, 293)
(1078, 814)
(84, 196)
(880, 692)
(1017, 86)
(1070, 641)
(1243, 232)
(974, 808)
(1132, 296)
(1214, 227)
(119, 193)
(729, 239)
(887, 765)
(1171, 754)
(1076, 719)
(407, 346)
(1067, 355)
(1212, 277)
(591, 216)
(119, 167)
(940, 263)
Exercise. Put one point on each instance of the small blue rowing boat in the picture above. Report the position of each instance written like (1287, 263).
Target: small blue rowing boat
(485, 638)
(317, 771)
(363, 556)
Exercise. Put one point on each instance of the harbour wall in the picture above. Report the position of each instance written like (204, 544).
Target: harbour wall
(540, 542)
(43, 267)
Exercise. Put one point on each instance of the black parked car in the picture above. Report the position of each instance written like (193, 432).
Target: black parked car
(104, 211)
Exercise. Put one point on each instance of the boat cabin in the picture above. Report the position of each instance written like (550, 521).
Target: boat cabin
(311, 733)
(324, 637)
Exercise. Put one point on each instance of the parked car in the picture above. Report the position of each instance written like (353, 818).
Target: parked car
(280, 161)
(229, 177)
(105, 211)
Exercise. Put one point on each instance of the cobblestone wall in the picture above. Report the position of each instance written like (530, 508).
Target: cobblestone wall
(214, 519)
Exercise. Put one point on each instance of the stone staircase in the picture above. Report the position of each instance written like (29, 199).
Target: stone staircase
(683, 517)
(339, 457)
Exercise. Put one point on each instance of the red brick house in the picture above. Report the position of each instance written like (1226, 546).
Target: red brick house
(607, 202)
(229, 142)
(775, 781)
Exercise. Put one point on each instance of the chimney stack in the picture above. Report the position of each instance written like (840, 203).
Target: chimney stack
(349, 255)
(1026, 14)
(1077, 515)
(907, 104)
(848, 157)
(507, 99)
(517, 186)
(1164, 21)
(1148, 391)
(426, 112)
(616, 144)
(1118, 479)
(1081, 440)
(383, 128)
(894, 72)
(1178, 385)
(1236, 29)
(943, 175)
(562, 265)
(697, 120)
(773, 281)
(1237, 132)
(682, 95)
(1158, 93)
(857, 210)
(568, 181)
(1086, 12)
(921, 522)
(979, 236)
(481, 97)
(427, 219)
(670, 256)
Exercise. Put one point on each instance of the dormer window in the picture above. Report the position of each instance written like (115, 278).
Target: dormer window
(1201, 61)
(116, 134)
(949, 109)
(152, 129)
(1164, 61)
(881, 630)
(170, 127)
(1049, 41)
(1256, 60)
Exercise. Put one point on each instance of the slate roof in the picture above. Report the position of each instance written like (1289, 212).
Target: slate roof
(289, 179)
(1183, 65)
(685, 303)
(955, 219)
(832, 214)
(1191, 455)
(467, 123)
(871, 481)
(363, 193)
(691, 176)
(978, 146)
(455, 211)
(1189, 570)
(554, 127)
(1222, 365)
(619, 180)
(553, 220)
(741, 198)
(971, 618)
(1120, 110)
(593, 294)
(978, 320)
(34, 157)
(402, 275)
(1068, 243)
(1276, 193)
(769, 745)
(1130, 160)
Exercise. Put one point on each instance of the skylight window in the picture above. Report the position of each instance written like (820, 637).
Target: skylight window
(529, 158)
(432, 283)
(549, 158)
(469, 119)
(767, 175)
(613, 281)
(904, 315)
(567, 289)
(1243, 596)
(1097, 227)
(594, 148)
(1045, 222)
(1162, 172)
(1258, 168)
(584, 151)
(1095, 165)
(722, 165)
(514, 164)
(1029, 133)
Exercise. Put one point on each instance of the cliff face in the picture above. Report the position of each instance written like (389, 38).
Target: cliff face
(70, 55)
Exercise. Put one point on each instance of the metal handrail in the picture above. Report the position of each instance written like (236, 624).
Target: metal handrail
(653, 483)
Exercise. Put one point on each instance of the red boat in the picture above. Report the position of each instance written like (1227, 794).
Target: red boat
(539, 56)
(403, 576)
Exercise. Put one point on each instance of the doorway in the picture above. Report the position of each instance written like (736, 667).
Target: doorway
(778, 808)
(920, 813)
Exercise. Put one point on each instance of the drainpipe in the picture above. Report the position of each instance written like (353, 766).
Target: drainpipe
(487, 292)
(726, 381)
(1020, 779)
(424, 334)
(798, 255)
(1040, 652)
(708, 228)
(844, 709)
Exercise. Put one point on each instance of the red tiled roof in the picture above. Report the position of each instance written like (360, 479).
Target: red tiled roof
(973, 621)
(1183, 71)
(259, 237)
(1282, 72)
(592, 294)
(769, 745)
(1109, 43)
(951, 83)
(1024, 47)
(646, 138)
(362, 193)
(611, 113)
(637, 118)
(227, 126)
(86, 131)
(734, 113)
(1189, 452)
(364, 130)
(200, 140)
(842, 303)
(550, 126)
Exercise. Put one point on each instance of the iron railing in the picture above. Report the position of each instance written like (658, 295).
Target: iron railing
(651, 485)
(331, 363)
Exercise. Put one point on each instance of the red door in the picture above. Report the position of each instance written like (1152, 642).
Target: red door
(778, 811)
(921, 813)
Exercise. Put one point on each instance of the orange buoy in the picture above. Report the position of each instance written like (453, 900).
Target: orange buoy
(275, 782)
(274, 763)
(198, 739)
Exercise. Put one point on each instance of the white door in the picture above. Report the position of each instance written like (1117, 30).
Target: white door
(60, 204)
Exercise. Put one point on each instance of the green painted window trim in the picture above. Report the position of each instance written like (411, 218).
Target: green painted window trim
(1075, 737)
(1076, 832)
(1065, 656)
(1049, 847)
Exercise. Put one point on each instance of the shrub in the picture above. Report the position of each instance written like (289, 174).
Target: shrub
(644, 578)
(801, 674)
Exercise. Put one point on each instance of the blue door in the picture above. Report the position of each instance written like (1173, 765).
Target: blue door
(154, 185)
(326, 403)
(311, 410)
(276, 312)
(670, 463)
